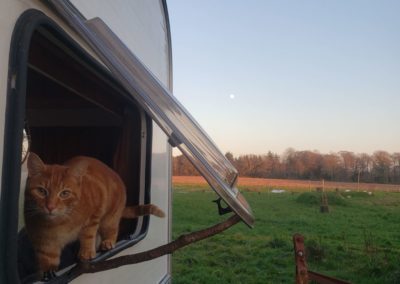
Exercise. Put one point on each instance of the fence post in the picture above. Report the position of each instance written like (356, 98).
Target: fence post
(303, 275)
(300, 259)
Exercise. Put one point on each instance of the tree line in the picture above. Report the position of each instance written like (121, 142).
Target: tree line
(346, 166)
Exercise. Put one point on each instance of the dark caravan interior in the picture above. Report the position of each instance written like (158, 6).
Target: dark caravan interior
(74, 107)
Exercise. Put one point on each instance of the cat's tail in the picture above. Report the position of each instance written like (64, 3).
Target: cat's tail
(132, 212)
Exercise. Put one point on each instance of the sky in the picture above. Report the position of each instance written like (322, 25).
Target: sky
(262, 75)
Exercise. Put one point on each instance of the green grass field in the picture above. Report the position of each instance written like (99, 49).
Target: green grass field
(358, 241)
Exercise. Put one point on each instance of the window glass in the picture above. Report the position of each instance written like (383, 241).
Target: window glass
(171, 116)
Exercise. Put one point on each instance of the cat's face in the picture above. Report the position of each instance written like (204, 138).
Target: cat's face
(52, 190)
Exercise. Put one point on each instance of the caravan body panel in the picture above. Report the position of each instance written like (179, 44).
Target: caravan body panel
(143, 26)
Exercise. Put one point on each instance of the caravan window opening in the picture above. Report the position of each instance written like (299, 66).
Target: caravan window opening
(69, 105)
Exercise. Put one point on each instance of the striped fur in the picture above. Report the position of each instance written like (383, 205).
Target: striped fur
(75, 201)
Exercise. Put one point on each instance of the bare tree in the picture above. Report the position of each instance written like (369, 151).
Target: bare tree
(181, 166)
(381, 167)
(349, 166)
(330, 166)
(382, 163)
(396, 168)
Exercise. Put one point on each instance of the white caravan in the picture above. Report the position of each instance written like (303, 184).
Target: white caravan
(94, 78)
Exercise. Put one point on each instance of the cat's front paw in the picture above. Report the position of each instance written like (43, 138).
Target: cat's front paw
(48, 275)
(86, 254)
(106, 245)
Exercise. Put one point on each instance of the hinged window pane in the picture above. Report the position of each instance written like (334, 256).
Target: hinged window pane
(159, 103)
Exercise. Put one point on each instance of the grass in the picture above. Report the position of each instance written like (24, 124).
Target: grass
(358, 241)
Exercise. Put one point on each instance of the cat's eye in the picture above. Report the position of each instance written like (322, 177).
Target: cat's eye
(42, 191)
(65, 193)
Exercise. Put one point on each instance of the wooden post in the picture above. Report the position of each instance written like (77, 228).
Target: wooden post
(303, 275)
(300, 259)
(324, 207)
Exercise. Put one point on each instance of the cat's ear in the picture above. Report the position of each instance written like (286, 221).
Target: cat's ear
(35, 165)
(79, 169)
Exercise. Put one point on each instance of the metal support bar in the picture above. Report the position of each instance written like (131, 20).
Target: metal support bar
(324, 279)
(303, 275)
(222, 210)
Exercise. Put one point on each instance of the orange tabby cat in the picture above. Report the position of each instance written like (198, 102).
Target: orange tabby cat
(75, 201)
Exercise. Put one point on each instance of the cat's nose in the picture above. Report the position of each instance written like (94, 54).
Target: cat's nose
(51, 207)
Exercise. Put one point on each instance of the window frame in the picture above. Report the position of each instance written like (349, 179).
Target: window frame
(25, 27)
(176, 122)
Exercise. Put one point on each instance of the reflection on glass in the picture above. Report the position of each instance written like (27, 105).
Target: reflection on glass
(25, 147)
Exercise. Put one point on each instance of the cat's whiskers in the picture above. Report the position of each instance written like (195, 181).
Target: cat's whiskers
(33, 210)
(31, 213)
